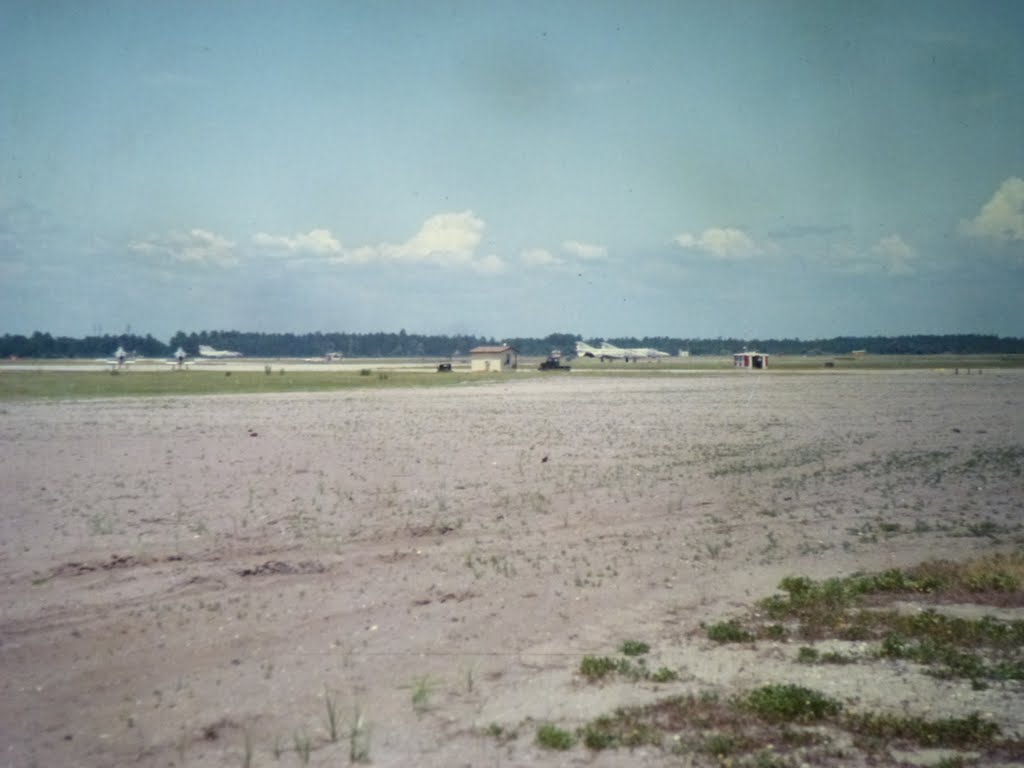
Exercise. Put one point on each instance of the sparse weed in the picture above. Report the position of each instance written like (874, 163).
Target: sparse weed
(790, 703)
(422, 688)
(730, 631)
(809, 655)
(721, 745)
(664, 675)
(358, 738)
(552, 737)
(625, 728)
(970, 731)
(598, 667)
(303, 746)
(332, 715)
(501, 733)
(634, 648)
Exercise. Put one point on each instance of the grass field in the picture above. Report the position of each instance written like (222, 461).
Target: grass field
(16, 385)
(52, 380)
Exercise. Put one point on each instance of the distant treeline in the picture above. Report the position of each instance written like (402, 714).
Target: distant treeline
(402, 344)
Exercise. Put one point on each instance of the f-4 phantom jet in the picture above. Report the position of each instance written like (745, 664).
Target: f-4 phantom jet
(608, 351)
(120, 360)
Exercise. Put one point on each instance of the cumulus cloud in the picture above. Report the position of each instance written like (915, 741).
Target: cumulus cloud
(539, 257)
(1002, 217)
(196, 246)
(585, 251)
(890, 255)
(445, 239)
(317, 242)
(894, 255)
(725, 243)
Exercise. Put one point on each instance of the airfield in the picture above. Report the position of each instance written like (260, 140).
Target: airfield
(407, 568)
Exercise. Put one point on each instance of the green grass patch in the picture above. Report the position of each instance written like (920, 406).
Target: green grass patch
(809, 655)
(596, 668)
(634, 648)
(853, 608)
(788, 703)
(22, 385)
(552, 737)
(631, 664)
(779, 725)
(970, 731)
(730, 631)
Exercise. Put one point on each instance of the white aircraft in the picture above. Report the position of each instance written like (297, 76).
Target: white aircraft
(208, 351)
(179, 360)
(120, 360)
(610, 352)
(330, 357)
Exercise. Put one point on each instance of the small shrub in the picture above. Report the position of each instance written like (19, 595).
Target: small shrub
(720, 745)
(730, 631)
(790, 703)
(552, 737)
(664, 675)
(421, 689)
(599, 734)
(808, 655)
(634, 648)
(598, 667)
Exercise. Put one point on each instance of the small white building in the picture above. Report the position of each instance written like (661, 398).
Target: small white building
(750, 360)
(493, 359)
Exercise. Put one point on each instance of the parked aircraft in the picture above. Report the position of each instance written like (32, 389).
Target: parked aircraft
(120, 360)
(610, 352)
(330, 357)
(179, 361)
(208, 351)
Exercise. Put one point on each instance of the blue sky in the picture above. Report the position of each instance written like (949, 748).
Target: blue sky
(692, 169)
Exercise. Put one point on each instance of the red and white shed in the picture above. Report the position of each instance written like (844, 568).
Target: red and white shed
(750, 360)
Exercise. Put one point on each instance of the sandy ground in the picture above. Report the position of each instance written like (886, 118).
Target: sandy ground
(178, 573)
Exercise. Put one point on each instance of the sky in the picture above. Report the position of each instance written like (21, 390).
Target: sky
(512, 169)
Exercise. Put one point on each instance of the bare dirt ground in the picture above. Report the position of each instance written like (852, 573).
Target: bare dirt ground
(183, 574)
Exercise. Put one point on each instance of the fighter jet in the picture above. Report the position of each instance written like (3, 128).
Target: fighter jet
(179, 362)
(119, 361)
(208, 351)
(610, 352)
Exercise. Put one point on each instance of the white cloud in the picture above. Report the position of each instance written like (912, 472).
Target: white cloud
(585, 251)
(489, 264)
(539, 257)
(894, 255)
(445, 239)
(1002, 217)
(317, 242)
(891, 255)
(721, 242)
(197, 246)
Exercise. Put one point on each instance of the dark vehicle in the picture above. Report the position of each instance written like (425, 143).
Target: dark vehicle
(553, 363)
(444, 368)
